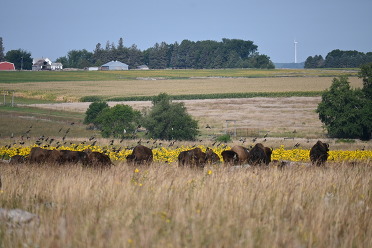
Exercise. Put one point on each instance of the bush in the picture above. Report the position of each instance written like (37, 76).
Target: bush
(224, 138)
(120, 121)
(91, 99)
(94, 109)
(345, 112)
(168, 121)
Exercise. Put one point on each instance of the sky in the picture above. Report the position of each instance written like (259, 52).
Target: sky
(53, 28)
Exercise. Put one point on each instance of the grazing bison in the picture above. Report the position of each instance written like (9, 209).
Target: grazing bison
(67, 156)
(140, 155)
(211, 157)
(18, 159)
(230, 157)
(97, 159)
(319, 153)
(193, 158)
(38, 155)
(259, 155)
(242, 154)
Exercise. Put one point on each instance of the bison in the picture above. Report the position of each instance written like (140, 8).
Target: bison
(242, 152)
(140, 155)
(18, 159)
(259, 154)
(97, 159)
(67, 156)
(319, 153)
(211, 157)
(230, 157)
(193, 158)
(38, 155)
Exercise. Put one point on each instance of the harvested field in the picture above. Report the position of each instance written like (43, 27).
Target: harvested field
(74, 90)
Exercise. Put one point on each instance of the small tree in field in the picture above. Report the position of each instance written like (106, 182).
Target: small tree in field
(94, 109)
(119, 121)
(345, 112)
(167, 120)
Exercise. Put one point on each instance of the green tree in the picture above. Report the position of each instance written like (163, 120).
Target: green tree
(366, 75)
(94, 109)
(119, 121)
(20, 59)
(345, 112)
(167, 120)
(2, 57)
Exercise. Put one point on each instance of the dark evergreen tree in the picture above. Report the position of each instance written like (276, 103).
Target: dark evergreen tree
(2, 56)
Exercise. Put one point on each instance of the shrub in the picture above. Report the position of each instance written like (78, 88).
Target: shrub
(224, 138)
(167, 120)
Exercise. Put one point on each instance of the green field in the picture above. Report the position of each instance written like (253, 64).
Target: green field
(7, 77)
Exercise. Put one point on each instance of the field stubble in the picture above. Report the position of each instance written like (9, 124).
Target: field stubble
(74, 90)
(166, 206)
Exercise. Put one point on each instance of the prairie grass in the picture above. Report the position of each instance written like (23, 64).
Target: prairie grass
(166, 206)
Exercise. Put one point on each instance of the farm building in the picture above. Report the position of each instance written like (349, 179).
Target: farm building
(41, 64)
(6, 66)
(114, 66)
(142, 67)
(56, 66)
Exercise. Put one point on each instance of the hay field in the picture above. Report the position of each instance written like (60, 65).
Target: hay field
(74, 90)
(165, 206)
(282, 116)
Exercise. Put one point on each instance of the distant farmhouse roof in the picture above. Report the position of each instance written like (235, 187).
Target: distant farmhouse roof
(143, 67)
(6, 66)
(45, 64)
(114, 65)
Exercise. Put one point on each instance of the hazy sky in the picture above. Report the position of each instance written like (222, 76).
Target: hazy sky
(52, 28)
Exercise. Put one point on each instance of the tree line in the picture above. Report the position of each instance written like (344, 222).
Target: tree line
(208, 54)
(339, 59)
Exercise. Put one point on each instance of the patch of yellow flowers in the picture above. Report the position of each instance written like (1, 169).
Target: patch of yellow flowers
(169, 155)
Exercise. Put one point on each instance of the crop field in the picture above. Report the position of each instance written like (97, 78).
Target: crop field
(7, 77)
(72, 91)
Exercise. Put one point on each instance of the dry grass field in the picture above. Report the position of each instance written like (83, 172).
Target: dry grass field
(74, 90)
(165, 206)
(282, 116)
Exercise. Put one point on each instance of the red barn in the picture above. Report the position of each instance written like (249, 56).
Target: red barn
(6, 66)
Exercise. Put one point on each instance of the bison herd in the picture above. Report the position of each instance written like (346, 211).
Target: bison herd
(142, 155)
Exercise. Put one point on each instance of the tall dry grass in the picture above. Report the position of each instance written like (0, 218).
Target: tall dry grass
(165, 206)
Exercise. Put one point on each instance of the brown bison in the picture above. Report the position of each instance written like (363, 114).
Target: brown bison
(230, 157)
(211, 157)
(242, 152)
(18, 159)
(259, 154)
(97, 159)
(193, 158)
(319, 153)
(140, 155)
(38, 155)
(67, 156)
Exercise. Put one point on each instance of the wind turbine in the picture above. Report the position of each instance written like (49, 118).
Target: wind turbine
(295, 51)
